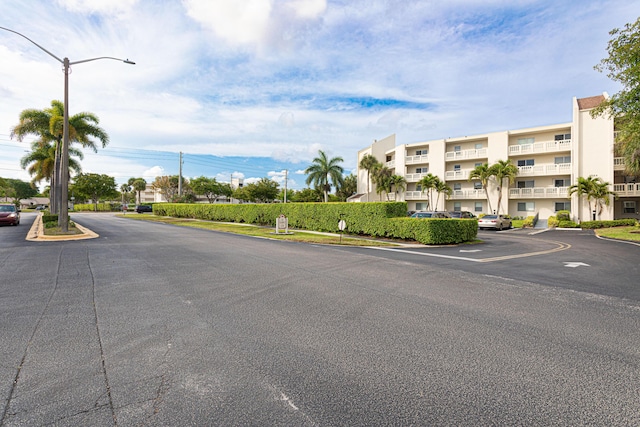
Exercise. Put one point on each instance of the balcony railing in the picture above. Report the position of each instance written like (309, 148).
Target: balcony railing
(468, 194)
(412, 160)
(540, 147)
(459, 174)
(479, 153)
(391, 164)
(415, 195)
(415, 177)
(549, 169)
(618, 164)
(539, 193)
(627, 190)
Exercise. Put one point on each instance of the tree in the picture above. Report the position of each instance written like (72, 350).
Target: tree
(482, 173)
(624, 106)
(263, 191)
(208, 187)
(138, 185)
(307, 195)
(40, 161)
(441, 187)
(368, 163)
(167, 186)
(125, 189)
(382, 179)
(324, 171)
(348, 188)
(95, 186)
(48, 124)
(428, 184)
(502, 170)
(399, 183)
(594, 189)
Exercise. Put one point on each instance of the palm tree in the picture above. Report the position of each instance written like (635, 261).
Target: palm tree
(483, 174)
(399, 183)
(441, 187)
(323, 170)
(428, 183)
(502, 170)
(382, 179)
(48, 124)
(139, 185)
(368, 163)
(40, 161)
(602, 195)
(593, 188)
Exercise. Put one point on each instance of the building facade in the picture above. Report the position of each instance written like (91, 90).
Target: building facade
(549, 160)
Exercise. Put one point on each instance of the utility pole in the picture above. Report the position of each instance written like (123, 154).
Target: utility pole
(180, 177)
(286, 172)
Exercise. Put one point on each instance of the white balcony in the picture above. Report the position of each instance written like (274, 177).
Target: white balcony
(539, 193)
(627, 190)
(480, 153)
(412, 160)
(548, 169)
(540, 147)
(618, 164)
(415, 177)
(459, 174)
(468, 194)
(415, 195)
(391, 164)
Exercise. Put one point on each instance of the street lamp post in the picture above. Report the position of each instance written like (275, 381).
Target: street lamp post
(63, 180)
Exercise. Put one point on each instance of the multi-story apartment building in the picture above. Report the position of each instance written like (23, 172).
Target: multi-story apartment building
(549, 160)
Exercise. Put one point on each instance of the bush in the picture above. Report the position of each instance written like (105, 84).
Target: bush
(567, 224)
(552, 221)
(563, 215)
(378, 219)
(608, 224)
(91, 207)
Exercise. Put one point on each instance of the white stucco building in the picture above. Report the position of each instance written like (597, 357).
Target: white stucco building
(549, 160)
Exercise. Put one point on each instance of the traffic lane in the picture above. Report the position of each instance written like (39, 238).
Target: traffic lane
(13, 236)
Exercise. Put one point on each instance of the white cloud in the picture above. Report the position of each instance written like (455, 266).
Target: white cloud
(111, 7)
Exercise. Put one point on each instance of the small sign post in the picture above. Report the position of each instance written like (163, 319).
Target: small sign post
(282, 224)
(341, 226)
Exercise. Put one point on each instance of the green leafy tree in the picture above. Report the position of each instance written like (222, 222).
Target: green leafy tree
(167, 186)
(624, 107)
(503, 170)
(95, 186)
(399, 184)
(595, 190)
(138, 185)
(208, 187)
(307, 195)
(441, 187)
(125, 191)
(40, 161)
(348, 188)
(369, 163)
(483, 174)
(381, 177)
(323, 172)
(264, 191)
(428, 183)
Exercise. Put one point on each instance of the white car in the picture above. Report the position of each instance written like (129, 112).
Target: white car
(498, 222)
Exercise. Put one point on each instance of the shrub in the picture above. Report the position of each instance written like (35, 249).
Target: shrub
(608, 224)
(552, 221)
(567, 224)
(563, 215)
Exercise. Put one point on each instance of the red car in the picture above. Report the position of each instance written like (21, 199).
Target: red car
(9, 214)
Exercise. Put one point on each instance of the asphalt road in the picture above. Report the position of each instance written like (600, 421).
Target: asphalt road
(159, 325)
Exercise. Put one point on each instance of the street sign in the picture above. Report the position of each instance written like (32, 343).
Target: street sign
(342, 225)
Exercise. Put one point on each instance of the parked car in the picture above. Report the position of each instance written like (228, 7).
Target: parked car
(144, 208)
(435, 214)
(498, 222)
(41, 208)
(9, 214)
(461, 214)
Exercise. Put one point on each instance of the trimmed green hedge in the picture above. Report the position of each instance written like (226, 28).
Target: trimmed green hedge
(384, 219)
(608, 224)
(91, 207)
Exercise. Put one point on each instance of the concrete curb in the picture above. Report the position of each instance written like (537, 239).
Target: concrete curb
(36, 233)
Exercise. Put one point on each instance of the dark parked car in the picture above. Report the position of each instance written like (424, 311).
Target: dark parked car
(461, 214)
(9, 214)
(144, 208)
(422, 214)
(495, 221)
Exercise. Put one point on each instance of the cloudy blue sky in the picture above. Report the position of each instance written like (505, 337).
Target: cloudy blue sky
(254, 87)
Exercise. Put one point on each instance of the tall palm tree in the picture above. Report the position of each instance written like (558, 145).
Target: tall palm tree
(428, 183)
(501, 171)
(324, 171)
(482, 173)
(592, 188)
(441, 187)
(48, 124)
(139, 185)
(40, 161)
(399, 184)
(382, 179)
(368, 163)
(601, 194)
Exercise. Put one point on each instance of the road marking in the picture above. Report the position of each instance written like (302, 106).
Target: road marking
(472, 250)
(286, 399)
(574, 264)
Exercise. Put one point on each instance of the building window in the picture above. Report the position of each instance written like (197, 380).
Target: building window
(562, 159)
(479, 146)
(477, 207)
(456, 167)
(477, 185)
(562, 136)
(563, 206)
(457, 206)
(422, 170)
(388, 158)
(629, 207)
(419, 187)
(524, 141)
(422, 152)
(478, 164)
(457, 148)
(526, 206)
(561, 183)
(526, 162)
(457, 186)
(421, 206)
(526, 184)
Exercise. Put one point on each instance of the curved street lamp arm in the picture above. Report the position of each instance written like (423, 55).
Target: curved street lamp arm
(126, 61)
(22, 35)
